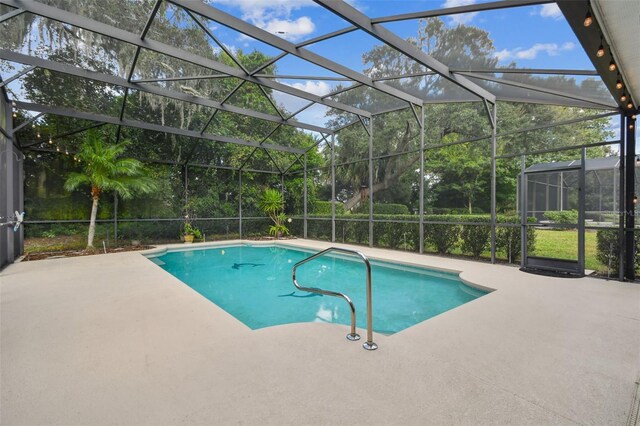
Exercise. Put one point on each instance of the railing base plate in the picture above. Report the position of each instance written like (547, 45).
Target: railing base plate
(370, 346)
(353, 337)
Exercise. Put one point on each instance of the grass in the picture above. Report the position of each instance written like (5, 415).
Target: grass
(563, 244)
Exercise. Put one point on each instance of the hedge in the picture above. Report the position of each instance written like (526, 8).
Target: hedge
(403, 233)
(390, 231)
(384, 208)
(324, 208)
(607, 248)
(562, 216)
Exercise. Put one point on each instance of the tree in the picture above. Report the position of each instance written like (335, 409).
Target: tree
(105, 170)
(458, 175)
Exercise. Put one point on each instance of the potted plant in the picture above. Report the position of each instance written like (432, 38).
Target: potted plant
(271, 202)
(190, 233)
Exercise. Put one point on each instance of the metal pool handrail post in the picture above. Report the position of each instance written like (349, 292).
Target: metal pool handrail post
(369, 344)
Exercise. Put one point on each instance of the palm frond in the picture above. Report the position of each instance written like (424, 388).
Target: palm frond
(104, 168)
(76, 180)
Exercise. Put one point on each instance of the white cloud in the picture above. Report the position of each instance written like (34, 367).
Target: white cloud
(460, 18)
(551, 49)
(319, 88)
(550, 10)
(274, 16)
(290, 29)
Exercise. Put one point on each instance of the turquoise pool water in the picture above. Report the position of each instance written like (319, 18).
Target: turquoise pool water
(253, 283)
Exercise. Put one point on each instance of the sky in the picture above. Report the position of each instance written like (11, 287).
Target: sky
(531, 36)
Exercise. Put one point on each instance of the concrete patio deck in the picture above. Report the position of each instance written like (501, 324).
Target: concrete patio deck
(114, 339)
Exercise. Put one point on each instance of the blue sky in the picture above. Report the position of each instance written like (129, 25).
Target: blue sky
(532, 36)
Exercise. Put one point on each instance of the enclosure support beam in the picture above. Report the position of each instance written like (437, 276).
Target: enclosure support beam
(467, 8)
(351, 14)
(134, 39)
(115, 218)
(240, 203)
(11, 14)
(286, 46)
(595, 102)
(304, 198)
(630, 159)
(421, 203)
(581, 208)
(523, 212)
(333, 188)
(150, 88)
(621, 201)
(494, 126)
(16, 76)
(65, 112)
(371, 182)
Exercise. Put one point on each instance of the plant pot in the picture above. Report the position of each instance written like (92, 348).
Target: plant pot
(188, 239)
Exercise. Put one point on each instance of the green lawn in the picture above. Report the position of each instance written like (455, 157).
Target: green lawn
(564, 245)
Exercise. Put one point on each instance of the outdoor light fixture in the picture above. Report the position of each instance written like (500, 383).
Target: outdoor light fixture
(630, 105)
(619, 84)
(600, 51)
(66, 151)
(14, 115)
(50, 140)
(612, 66)
(588, 19)
(13, 104)
(38, 135)
(58, 148)
(635, 199)
(623, 98)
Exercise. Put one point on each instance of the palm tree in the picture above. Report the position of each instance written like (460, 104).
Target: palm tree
(104, 170)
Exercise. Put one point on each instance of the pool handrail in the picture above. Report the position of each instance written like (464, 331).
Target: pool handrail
(369, 344)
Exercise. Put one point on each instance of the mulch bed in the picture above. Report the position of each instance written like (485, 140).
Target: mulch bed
(76, 253)
(55, 254)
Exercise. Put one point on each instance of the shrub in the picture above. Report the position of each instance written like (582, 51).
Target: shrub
(324, 208)
(607, 249)
(443, 237)
(475, 239)
(390, 209)
(508, 238)
(564, 216)
(384, 208)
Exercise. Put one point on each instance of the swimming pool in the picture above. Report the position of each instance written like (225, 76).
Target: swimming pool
(253, 283)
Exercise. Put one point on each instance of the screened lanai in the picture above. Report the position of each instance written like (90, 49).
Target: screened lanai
(404, 128)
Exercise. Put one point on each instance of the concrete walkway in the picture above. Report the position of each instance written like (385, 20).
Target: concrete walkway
(113, 339)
